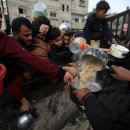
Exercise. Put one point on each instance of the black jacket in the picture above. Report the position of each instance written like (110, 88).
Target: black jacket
(60, 55)
(96, 29)
(100, 117)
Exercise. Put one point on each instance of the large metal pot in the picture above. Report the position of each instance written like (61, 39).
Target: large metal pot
(65, 26)
(25, 120)
(96, 54)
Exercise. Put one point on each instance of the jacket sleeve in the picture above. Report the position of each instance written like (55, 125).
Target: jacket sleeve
(99, 116)
(53, 56)
(107, 31)
(87, 29)
(15, 50)
(14, 87)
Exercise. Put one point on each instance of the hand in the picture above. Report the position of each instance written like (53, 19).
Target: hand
(108, 51)
(63, 32)
(43, 29)
(26, 106)
(73, 64)
(122, 74)
(87, 46)
(33, 18)
(68, 78)
(72, 70)
(114, 41)
(80, 93)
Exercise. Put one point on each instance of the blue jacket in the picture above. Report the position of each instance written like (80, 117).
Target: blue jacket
(96, 29)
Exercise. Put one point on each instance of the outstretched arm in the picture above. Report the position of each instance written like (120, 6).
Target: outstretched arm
(122, 74)
(99, 116)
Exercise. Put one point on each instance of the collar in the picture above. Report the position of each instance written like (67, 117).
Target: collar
(18, 42)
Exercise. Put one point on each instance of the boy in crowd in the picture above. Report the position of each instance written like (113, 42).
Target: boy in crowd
(66, 39)
(96, 27)
(18, 92)
(55, 39)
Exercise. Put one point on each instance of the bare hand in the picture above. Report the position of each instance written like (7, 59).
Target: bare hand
(26, 106)
(73, 64)
(108, 51)
(68, 78)
(43, 29)
(63, 32)
(114, 41)
(122, 74)
(81, 93)
(72, 70)
(33, 18)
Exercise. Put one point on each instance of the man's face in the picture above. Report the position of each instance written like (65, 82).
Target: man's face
(25, 35)
(57, 41)
(0, 22)
(66, 40)
(101, 14)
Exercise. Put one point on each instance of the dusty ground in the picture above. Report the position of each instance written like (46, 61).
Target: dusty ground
(78, 123)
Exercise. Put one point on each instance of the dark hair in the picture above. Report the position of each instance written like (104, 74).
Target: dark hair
(0, 15)
(67, 34)
(77, 35)
(18, 22)
(53, 34)
(122, 38)
(102, 5)
(38, 22)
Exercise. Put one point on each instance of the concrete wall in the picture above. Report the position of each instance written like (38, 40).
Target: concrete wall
(14, 5)
(75, 10)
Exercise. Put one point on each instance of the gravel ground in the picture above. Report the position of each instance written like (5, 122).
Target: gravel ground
(78, 123)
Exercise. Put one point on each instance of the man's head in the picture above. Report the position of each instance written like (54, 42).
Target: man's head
(22, 30)
(66, 38)
(0, 20)
(102, 9)
(54, 37)
(122, 39)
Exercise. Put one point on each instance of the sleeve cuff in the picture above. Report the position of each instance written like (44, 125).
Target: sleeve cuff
(84, 99)
(61, 73)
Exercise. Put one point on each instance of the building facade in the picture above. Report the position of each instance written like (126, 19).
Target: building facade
(59, 11)
(2, 5)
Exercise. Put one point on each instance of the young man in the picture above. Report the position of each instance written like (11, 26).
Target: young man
(66, 39)
(96, 27)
